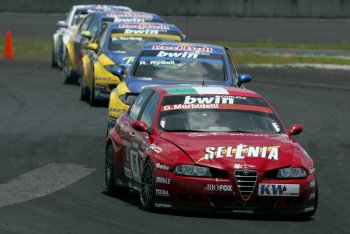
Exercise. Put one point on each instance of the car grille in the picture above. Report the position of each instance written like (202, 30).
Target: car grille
(246, 180)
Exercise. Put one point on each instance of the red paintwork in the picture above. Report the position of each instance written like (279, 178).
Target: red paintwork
(189, 148)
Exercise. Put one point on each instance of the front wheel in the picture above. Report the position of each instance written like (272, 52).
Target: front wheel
(109, 171)
(84, 93)
(92, 100)
(147, 191)
(68, 74)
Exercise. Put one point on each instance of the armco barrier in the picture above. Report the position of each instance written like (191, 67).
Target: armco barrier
(234, 8)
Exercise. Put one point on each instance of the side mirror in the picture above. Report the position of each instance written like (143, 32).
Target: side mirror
(295, 129)
(243, 78)
(86, 34)
(139, 126)
(92, 46)
(61, 24)
(118, 71)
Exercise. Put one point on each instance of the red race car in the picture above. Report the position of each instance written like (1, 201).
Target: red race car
(210, 148)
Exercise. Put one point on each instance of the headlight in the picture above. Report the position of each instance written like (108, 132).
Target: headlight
(289, 172)
(127, 101)
(190, 170)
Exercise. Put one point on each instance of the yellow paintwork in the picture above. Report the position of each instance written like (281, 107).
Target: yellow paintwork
(101, 76)
(116, 107)
(70, 53)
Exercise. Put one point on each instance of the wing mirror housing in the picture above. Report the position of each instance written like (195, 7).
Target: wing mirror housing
(295, 129)
(243, 78)
(86, 34)
(118, 71)
(92, 46)
(61, 24)
(139, 126)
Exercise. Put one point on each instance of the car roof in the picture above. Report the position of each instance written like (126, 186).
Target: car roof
(146, 25)
(185, 46)
(102, 7)
(176, 90)
(134, 14)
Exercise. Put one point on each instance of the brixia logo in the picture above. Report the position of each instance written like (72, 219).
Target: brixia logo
(182, 48)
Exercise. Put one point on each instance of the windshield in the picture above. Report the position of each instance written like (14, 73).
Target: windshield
(181, 66)
(217, 114)
(132, 44)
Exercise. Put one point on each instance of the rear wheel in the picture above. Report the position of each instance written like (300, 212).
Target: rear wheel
(92, 100)
(147, 192)
(110, 187)
(84, 93)
(53, 58)
(68, 74)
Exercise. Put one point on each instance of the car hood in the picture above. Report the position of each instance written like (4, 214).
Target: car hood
(232, 151)
(121, 59)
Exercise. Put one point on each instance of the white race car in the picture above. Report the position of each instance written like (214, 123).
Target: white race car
(66, 28)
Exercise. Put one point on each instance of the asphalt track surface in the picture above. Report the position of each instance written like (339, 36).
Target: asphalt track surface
(52, 157)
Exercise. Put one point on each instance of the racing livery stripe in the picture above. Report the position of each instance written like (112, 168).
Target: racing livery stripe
(216, 106)
(211, 90)
(181, 90)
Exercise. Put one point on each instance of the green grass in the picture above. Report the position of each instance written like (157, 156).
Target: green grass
(269, 43)
(39, 49)
(34, 49)
(246, 58)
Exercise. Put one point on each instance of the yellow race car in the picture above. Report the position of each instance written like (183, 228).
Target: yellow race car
(107, 60)
(174, 63)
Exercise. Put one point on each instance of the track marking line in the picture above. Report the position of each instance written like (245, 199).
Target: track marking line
(41, 181)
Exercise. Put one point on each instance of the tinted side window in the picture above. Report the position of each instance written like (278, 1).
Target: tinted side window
(138, 103)
(150, 109)
(93, 27)
(232, 67)
(86, 23)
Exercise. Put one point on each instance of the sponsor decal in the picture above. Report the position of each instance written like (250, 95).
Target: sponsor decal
(134, 161)
(160, 62)
(162, 205)
(129, 14)
(218, 187)
(126, 39)
(128, 60)
(162, 167)
(191, 106)
(141, 31)
(182, 48)
(177, 54)
(102, 78)
(162, 180)
(242, 151)
(162, 193)
(145, 26)
(313, 183)
(291, 190)
(242, 166)
(212, 100)
(155, 148)
(115, 110)
(276, 126)
(129, 20)
(312, 196)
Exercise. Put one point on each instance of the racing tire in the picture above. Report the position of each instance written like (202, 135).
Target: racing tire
(69, 76)
(110, 187)
(53, 59)
(84, 92)
(92, 100)
(147, 189)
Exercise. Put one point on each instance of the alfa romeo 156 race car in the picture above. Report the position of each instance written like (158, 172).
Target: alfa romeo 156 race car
(210, 148)
(66, 28)
(174, 63)
(87, 31)
(114, 51)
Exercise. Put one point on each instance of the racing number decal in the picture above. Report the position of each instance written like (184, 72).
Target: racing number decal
(134, 161)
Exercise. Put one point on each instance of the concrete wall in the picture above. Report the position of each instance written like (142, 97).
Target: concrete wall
(235, 8)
